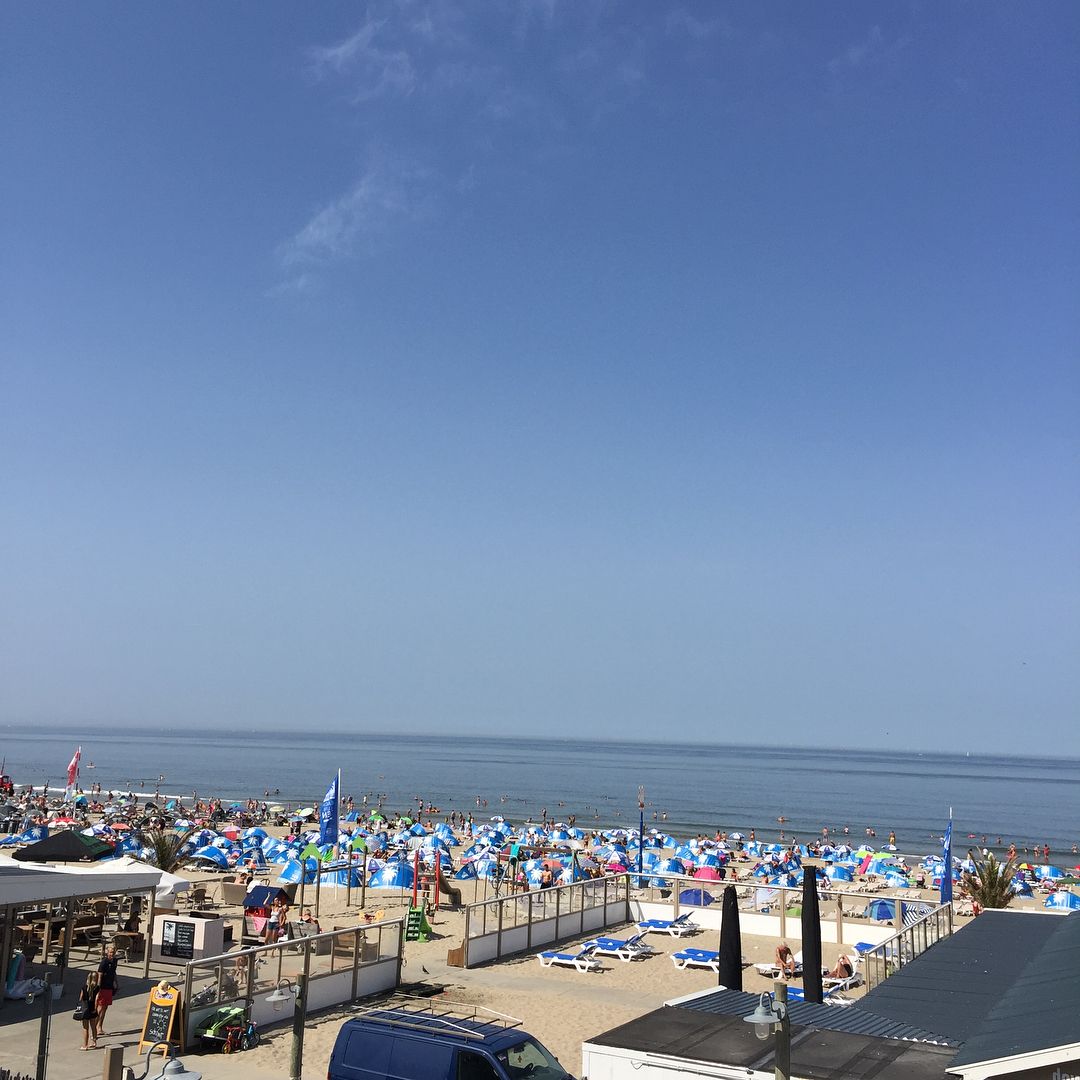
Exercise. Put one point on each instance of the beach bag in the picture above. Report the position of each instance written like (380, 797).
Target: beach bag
(82, 1011)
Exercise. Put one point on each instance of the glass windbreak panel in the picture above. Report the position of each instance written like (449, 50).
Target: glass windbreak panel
(388, 942)
(529, 1058)
(320, 956)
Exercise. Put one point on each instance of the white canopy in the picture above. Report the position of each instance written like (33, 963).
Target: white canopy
(32, 883)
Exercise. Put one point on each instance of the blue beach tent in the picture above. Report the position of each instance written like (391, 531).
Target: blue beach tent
(1063, 900)
(695, 897)
(292, 872)
(212, 854)
(881, 910)
(392, 875)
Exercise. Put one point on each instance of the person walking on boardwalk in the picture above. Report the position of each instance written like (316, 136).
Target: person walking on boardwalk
(86, 1011)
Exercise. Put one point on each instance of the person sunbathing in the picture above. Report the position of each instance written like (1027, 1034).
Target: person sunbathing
(844, 969)
(785, 961)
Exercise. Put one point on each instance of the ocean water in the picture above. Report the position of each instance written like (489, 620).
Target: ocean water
(688, 788)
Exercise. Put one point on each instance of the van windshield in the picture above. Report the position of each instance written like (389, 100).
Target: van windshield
(530, 1059)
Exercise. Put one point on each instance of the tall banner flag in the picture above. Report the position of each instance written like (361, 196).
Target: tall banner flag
(946, 873)
(73, 775)
(328, 813)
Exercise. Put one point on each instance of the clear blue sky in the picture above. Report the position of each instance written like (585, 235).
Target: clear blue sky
(707, 371)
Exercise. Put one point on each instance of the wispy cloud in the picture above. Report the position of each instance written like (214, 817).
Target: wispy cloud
(681, 21)
(534, 76)
(387, 194)
(379, 69)
(860, 53)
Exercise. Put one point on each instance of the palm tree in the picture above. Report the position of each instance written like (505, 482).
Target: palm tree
(165, 848)
(991, 884)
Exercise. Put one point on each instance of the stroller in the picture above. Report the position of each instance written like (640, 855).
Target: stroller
(228, 1029)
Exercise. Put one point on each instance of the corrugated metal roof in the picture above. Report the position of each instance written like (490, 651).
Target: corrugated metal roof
(700, 1035)
(957, 982)
(1041, 1009)
(822, 1017)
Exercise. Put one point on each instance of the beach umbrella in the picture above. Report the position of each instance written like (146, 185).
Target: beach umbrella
(839, 873)
(811, 940)
(897, 881)
(730, 967)
(1049, 873)
(707, 873)
(66, 846)
(789, 881)
(1020, 887)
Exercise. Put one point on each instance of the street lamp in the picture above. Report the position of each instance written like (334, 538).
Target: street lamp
(284, 992)
(641, 831)
(172, 1069)
(770, 1016)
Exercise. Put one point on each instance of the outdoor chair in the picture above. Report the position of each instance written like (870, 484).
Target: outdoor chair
(696, 958)
(675, 927)
(584, 960)
(625, 949)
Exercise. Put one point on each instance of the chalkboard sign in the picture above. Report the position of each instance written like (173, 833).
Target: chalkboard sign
(159, 1023)
(178, 939)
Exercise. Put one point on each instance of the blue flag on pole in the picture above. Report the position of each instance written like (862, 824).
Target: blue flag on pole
(946, 873)
(328, 815)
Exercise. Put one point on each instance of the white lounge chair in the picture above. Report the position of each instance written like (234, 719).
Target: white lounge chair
(696, 958)
(583, 960)
(625, 949)
(679, 927)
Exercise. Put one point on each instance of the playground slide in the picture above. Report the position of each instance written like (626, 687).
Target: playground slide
(451, 892)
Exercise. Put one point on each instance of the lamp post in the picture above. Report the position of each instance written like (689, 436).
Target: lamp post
(43, 1031)
(641, 831)
(278, 999)
(773, 1016)
(172, 1069)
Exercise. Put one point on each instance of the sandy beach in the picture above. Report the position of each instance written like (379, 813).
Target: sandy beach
(559, 1006)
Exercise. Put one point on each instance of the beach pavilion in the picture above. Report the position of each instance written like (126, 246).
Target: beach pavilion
(1000, 997)
(45, 906)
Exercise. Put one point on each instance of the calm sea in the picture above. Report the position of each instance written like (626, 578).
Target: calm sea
(700, 788)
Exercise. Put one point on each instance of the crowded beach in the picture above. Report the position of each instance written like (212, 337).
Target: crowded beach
(380, 863)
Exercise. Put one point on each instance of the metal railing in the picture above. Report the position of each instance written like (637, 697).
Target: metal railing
(910, 941)
(335, 966)
(519, 921)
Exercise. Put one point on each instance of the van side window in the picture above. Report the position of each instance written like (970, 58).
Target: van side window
(475, 1067)
(420, 1059)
